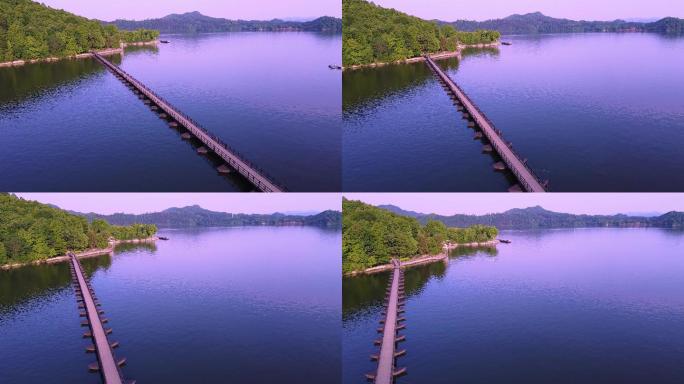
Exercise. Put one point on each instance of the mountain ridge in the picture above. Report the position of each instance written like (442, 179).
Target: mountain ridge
(539, 217)
(537, 22)
(196, 22)
(195, 216)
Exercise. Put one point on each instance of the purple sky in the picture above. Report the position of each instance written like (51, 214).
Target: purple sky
(450, 10)
(482, 203)
(230, 9)
(107, 203)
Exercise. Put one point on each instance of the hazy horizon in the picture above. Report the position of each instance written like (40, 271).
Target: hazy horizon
(231, 9)
(137, 203)
(485, 203)
(605, 10)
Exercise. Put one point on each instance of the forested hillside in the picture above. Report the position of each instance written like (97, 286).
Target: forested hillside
(374, 34)
(538, 217)
(29, 30)
(195, 22)
(533, 23)
(32, 231)
(196, 216)
(373, 236)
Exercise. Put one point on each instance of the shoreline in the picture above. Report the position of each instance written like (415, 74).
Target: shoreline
(420, 260)
(434, 56)
(80, 255)
(103, 52)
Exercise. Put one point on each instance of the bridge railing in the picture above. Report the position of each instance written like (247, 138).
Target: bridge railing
(496, 130)
(213, 137)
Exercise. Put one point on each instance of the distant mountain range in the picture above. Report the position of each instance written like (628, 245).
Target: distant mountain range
(195, 22)
(533, 23)
(196, 216)
(538, 217)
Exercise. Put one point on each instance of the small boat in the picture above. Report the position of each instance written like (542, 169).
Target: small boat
(333, 66)
(163, 238)
(164, 41)
(504, 241)
(506, 43)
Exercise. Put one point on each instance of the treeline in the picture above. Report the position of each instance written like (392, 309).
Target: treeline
(30, 30)
(195, 22)
(196, 216)
(375, 34)
(32, 231)
(373, 236)
(538, 217)
(534, 23)
(138, 35)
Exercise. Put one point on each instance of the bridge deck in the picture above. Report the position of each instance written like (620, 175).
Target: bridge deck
(254, 175)
(386, 359)
(108, 366)
(528, 181)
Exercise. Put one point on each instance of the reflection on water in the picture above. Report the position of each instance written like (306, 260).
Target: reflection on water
(279, 107)
(366, 292)
(206, 305)
(580, 108)
(151, 247)
(20, 84)
(31, 282)
(562, 306)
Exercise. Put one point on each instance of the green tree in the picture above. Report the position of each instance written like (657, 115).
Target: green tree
(374, 34)
(3, 254)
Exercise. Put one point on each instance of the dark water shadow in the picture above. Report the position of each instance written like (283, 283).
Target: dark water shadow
(366, 292)
(368, 86)
(472, 252)
(34, 81)
(127, 247)
(141, 50)
(20, 287)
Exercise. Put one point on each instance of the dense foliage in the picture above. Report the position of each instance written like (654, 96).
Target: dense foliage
(538, 217)
(533, 23)
(195, 22)
(138, 35)
(33, 231)
(373, 236)
(375, 34)
(30, 30)
(196, 216)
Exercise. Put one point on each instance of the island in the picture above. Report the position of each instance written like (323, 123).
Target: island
(372, 237)
(35, 233)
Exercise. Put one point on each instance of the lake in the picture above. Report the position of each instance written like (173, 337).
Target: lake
(590, 112)
(254, 305)
(72, 126)
(554, 306)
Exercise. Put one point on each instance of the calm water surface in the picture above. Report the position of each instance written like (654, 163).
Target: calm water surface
(562, 306)
(251, 304)
(590, 112)
(72, 126)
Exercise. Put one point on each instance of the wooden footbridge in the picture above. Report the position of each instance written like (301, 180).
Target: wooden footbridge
(234, 160)
(107, 365)
(527, 180)
(392, 323)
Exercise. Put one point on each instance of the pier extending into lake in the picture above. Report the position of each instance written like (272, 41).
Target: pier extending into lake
(391, 325)
(527, 180)
(233, 158)
(107, 365)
